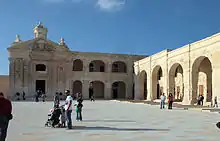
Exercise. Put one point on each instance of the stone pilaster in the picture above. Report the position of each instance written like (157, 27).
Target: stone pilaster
(187, 98)
(85, 89)
(136, 88)
(148, 87)
(11, 77)
(107, 91)
(216, 76)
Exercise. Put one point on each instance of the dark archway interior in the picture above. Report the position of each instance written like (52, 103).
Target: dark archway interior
(97, 89)
(118, 90)
(77, 65)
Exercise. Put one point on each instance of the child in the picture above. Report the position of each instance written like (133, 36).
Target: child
(79, 109)
(63, 118)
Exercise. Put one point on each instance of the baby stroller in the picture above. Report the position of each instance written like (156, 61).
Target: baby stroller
(54, 117)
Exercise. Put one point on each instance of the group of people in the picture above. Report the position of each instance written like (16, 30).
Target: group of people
(68, 108)
(17, 96)
(163, 99)
(39, 94)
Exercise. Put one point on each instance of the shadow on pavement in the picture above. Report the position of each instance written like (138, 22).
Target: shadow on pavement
(108, 121)
(115, 129)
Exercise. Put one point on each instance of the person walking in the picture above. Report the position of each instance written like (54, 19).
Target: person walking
(162, 101)
(170, 101)
(68, 109)
(215, 102)
(5, 116)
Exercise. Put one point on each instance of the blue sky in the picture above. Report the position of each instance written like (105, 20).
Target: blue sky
(113, 26)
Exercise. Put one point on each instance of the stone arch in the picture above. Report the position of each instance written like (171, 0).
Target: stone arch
(77, 65)
(143, 84)
(176, 83)
(157, 82)
(96, 66)
(202, 79)
(119, 66)
(97, 88)
(118, 90)
(77, 87)
(41, 67)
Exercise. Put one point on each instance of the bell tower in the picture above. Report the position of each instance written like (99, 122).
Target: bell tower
(40, 31)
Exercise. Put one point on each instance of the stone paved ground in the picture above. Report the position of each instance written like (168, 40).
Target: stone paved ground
(114, 121)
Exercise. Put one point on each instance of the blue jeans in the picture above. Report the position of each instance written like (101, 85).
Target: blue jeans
(162, 103)
(69, 119)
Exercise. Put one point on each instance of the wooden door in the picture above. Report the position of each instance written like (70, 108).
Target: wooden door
(201, 88)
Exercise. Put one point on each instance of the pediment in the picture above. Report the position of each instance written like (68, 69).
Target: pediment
(42, 45)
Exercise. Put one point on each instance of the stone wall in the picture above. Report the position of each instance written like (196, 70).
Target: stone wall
(189, 57)
(4, 84)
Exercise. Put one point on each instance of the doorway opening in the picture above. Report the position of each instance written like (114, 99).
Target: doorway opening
(40, 85)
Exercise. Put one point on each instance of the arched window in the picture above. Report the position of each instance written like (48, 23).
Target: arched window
(97, 66)
(119, 66)
(77, 65)
(40, 67)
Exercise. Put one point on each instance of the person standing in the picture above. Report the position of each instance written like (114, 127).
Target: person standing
(43, 97)
(215, 102)
(23, 95)
(170, 101)
(79, 106)
(162, 101)
(5, 116)
(56, 100)
(201, 99)
(68, 109)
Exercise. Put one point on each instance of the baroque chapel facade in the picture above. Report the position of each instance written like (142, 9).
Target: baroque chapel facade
(43, 64)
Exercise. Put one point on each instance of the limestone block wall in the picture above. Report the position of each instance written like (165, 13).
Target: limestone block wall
(191, 58)
(4, 84)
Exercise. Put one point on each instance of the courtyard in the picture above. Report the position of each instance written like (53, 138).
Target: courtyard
(114, 121)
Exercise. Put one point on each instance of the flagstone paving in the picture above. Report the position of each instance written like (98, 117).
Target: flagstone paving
(114, 121)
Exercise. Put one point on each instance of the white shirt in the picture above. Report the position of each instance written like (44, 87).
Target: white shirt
(68, 99)
(163, 97)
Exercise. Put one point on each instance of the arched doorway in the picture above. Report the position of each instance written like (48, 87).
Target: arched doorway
(118, 90)
(143, 85)
(157, 82)
(97, 88)
(176, 84)
(77, 87)
(202, 79)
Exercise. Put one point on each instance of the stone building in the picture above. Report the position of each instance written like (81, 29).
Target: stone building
(43, 64)
(186, 72)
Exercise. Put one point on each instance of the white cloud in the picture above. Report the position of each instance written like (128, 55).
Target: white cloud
(110, 5)
(105, 5)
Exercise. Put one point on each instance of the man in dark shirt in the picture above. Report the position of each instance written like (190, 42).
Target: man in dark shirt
(5, 116)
